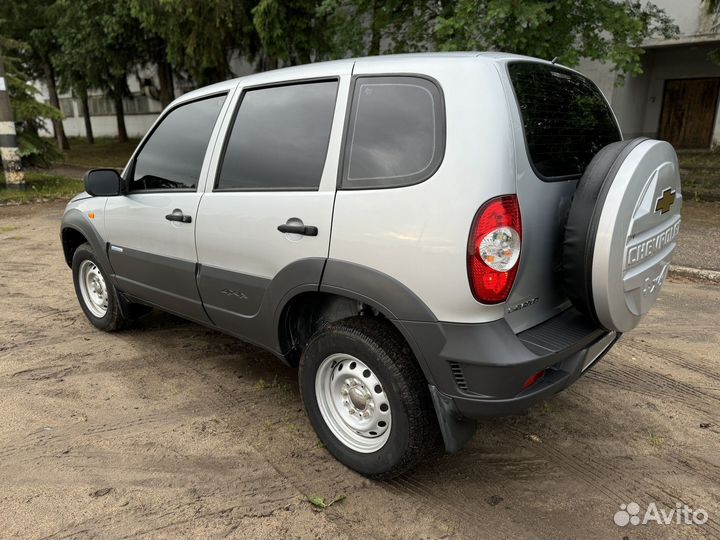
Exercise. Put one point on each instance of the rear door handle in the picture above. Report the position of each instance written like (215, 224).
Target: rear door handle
(305, 230)
(177, 215)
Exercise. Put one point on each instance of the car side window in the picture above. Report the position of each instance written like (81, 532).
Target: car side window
(173, 155)
(279, 138)
(396, 132)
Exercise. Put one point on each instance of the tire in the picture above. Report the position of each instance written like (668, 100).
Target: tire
(370, 351)
(615, 210)
(105, 315)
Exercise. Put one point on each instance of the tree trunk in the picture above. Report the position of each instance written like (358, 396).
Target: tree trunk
(86, 116)
(62, 140)
(375, 30)
(167, 84)
(120, 116)
(270, 62)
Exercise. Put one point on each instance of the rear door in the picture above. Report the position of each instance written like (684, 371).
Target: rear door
(270, 206)
(151, 230)
(562, 120)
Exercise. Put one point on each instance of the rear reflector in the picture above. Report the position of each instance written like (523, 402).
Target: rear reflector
(494, 249)
(532, 379)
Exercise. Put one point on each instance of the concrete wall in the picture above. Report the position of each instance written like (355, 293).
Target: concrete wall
(689, 15)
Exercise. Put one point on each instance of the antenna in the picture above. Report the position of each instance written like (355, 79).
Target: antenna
(554, 60)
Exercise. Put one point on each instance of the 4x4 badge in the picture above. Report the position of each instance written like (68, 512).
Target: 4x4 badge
(664, 203)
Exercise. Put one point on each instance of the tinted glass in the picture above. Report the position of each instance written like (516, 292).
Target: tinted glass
(279, 138)
(173, 155)
(565, 117)
(396, 132)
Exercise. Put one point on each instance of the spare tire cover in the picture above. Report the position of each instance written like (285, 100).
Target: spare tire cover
(621, 232)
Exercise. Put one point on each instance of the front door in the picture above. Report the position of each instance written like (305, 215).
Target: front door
(151, 230)
(688, 112)
(270, 208)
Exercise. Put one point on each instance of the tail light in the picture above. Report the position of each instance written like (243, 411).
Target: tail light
(494, 249)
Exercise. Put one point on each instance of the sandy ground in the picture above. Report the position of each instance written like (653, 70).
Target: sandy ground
(172, 430)
(699, 244)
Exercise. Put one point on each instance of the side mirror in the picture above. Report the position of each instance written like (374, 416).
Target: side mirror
(103, 182)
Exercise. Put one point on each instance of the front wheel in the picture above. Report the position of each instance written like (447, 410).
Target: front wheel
(96, 294)
(367, 398)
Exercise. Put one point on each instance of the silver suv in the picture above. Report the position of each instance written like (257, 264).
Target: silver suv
(430, 238)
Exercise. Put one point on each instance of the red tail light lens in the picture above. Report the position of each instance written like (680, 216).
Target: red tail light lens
(494, 249)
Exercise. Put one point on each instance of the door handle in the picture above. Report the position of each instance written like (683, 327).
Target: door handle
(305, 230)
(177, 215)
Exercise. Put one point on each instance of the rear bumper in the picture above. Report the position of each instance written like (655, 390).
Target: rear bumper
(478, 370)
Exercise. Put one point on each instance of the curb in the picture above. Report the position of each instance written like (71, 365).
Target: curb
(695, 273)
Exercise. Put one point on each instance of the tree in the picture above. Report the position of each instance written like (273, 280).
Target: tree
(199, 35)
(29, 22)
(105, 42)
(371, 27)
(605, 30)
(291, 31)
(28, 112)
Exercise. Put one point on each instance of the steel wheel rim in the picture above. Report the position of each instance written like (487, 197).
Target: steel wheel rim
(353, 403)
(93, 288)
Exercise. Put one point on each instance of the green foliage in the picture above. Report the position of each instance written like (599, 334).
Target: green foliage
(605, 30)
(291, 31)
(362, 27)
(200, 35)
(28, 113)
(100, 39)
(29, 22)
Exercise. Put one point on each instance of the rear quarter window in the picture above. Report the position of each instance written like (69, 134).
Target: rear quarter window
(396, 132)
(565, 118)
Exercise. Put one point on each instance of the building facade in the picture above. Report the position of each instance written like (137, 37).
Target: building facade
(676, 96)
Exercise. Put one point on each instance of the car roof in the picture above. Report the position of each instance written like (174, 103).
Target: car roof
(296, 72)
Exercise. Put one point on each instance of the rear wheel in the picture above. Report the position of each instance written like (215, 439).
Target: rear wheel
(367, 398)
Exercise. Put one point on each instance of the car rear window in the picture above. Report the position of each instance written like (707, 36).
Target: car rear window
(565, 118)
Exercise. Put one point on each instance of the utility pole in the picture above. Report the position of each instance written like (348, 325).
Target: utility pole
(12, 166)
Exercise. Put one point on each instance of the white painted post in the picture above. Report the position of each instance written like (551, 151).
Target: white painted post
(12, 165)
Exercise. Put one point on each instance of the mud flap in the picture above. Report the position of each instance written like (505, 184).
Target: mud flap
(456, 430)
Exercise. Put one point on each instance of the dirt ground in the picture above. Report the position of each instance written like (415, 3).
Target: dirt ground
(172, 430)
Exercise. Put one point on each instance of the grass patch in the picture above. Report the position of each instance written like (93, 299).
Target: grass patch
(106, 152)
(700, 173)
(657, 442)
(40, 187)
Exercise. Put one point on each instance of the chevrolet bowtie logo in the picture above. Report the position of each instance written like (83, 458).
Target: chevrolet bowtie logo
(665, 202)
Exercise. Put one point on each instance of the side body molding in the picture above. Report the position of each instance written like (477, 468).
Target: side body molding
(252, 310)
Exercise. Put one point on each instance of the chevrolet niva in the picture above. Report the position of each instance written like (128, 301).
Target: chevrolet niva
(431, 238)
